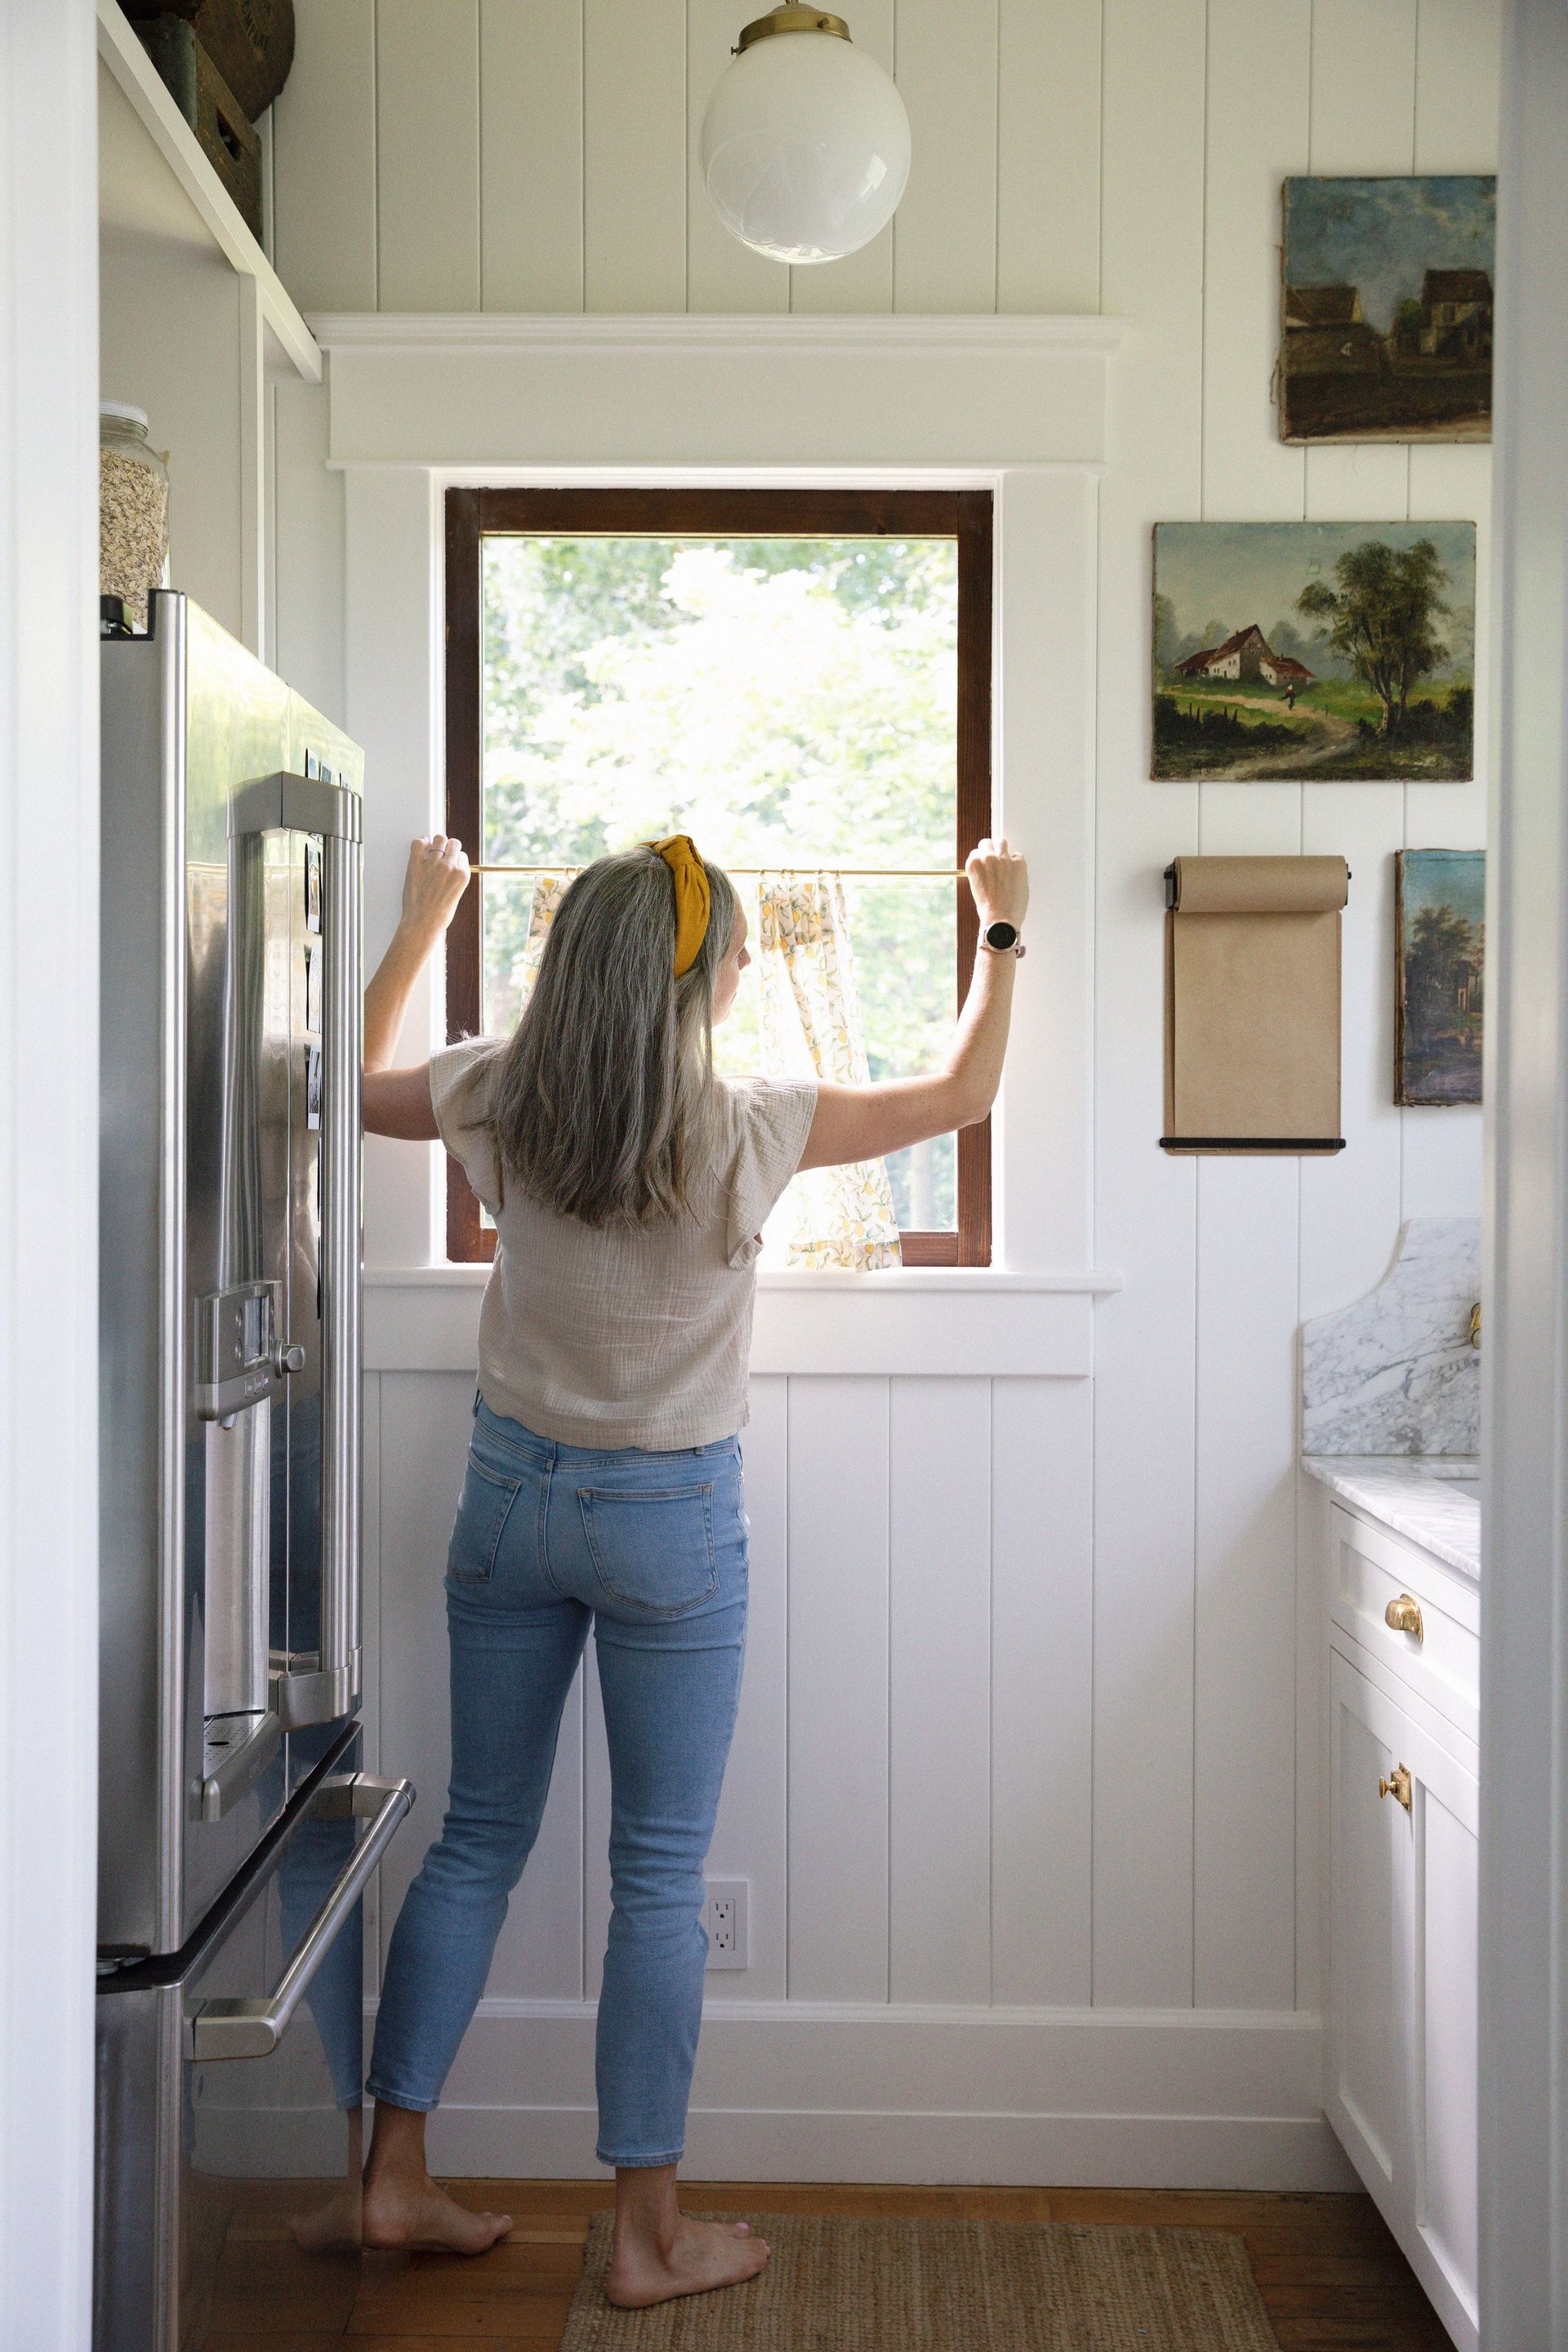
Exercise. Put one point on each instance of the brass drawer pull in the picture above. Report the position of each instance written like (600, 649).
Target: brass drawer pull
(1405, 1616)
(1398, 1787)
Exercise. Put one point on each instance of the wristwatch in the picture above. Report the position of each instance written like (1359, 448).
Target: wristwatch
(1002, 938)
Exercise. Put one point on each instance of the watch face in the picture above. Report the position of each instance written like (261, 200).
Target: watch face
(1001, 935)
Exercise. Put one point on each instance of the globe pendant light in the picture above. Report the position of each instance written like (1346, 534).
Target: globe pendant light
(806, 146)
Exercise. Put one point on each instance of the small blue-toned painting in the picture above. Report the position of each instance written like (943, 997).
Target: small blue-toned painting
(1387, 324)
(1440, 932)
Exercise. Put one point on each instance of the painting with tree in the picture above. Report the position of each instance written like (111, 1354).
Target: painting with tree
(1386, 331)
(1333, 652)
(1440, 953)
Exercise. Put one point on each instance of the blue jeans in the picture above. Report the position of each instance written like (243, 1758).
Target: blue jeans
(651, 1549)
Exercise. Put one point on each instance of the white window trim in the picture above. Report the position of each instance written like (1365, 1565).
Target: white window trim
(1013, 405)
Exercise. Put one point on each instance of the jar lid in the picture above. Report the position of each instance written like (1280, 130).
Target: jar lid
(123, 410)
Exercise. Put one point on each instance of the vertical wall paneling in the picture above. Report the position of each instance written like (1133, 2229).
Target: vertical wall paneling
(1364, 110)
(1351, 1204)
(427, 145)
(254, 459)
(838, 1687)
(190, 386)
(1243, 1648)
(721, 274)
(1248, 1210)
(390, 517)
(1044, 688)
(750, 1840)
(324, 159)
(634, 155)
(1042, 1690)
(944, 232)
(530, 154)
(1153, 270)
(1047, 155)
(307, 547)
(862, 281)
(1257, 132)
(939, 1690)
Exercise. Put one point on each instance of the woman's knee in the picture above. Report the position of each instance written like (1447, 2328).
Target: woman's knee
(484, 1852)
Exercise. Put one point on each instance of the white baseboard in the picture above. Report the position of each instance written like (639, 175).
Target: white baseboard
(802, 2091)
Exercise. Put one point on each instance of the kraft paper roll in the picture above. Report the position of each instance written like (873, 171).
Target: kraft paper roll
(1261, 886)
(1252, 1004)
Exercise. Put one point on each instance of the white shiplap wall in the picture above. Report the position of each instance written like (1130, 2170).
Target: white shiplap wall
(1027, 1663)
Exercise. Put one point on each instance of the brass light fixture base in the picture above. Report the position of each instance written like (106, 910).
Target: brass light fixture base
(790, 20)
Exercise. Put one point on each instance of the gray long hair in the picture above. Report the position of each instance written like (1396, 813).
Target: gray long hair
(602, 1101)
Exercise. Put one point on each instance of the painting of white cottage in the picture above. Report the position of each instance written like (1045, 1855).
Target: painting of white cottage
(1330, 650)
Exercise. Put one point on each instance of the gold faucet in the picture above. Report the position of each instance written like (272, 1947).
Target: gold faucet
(1476, 1324)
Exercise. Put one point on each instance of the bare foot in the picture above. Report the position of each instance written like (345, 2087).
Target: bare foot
(333, 2226)
(420, 2216)
(702, 2256)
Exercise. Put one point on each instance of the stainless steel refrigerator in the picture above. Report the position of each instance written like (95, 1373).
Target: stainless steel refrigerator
(236, 1830)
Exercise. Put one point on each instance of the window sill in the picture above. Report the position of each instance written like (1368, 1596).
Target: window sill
(978, 1322)
(451, 1274)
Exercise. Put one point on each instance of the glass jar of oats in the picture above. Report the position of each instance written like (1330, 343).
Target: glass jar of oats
(132, 509)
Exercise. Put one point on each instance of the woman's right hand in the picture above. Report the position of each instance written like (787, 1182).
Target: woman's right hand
(1000, 881)
(436, 880)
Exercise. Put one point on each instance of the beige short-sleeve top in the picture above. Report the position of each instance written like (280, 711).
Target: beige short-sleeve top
(623, 1335)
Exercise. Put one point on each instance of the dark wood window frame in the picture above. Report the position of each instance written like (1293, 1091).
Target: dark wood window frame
(473, 515)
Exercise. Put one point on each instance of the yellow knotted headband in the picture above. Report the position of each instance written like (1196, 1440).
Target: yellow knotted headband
(692, 899)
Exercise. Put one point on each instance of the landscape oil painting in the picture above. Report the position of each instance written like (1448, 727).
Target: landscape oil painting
(1388, 326)
(1439, 952)
(1337, 652)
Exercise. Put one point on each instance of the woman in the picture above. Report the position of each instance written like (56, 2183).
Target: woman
(627, 1186)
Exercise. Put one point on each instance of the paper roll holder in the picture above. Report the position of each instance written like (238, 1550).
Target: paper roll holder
(1291, 1146)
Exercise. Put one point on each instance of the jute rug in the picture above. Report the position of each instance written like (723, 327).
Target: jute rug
(949, 2286)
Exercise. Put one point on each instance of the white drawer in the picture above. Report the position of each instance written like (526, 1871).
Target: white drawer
(1369, 1568)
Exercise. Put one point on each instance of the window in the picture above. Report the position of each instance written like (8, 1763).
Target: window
(800, 679)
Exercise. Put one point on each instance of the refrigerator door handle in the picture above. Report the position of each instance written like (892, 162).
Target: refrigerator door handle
(246, 2028)
(326, 1686)
(342, 1375)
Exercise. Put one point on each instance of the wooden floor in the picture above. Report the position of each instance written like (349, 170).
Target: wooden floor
(1330, 2276)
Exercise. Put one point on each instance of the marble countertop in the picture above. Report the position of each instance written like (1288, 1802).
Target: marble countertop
(1432, 1499)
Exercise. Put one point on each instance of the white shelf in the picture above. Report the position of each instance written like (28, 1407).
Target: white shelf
(216, 212)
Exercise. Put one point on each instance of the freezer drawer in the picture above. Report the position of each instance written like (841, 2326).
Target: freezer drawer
(229, 2092)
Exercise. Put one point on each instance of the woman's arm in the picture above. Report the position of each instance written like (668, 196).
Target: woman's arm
(867, 1122)
(397, 1102)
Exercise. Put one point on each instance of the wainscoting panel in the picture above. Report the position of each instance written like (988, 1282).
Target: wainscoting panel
(909, 1792)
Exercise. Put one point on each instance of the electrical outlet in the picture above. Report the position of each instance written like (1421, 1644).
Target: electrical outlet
(724, 1917)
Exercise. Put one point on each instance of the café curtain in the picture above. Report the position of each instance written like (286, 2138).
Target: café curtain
(811, 1024)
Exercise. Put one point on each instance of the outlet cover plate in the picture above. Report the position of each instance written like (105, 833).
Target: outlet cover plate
(725, 1917)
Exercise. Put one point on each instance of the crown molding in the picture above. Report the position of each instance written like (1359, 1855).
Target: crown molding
(690, 332)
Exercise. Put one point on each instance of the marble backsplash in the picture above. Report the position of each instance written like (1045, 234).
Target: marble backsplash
(1395, 1373)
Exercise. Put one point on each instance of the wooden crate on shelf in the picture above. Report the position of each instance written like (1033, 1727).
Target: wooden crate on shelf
(211, 108)
(251, 42)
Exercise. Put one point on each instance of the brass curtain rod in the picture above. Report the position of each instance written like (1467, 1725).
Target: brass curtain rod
(849, 873)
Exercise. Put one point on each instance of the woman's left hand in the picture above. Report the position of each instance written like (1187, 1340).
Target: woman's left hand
(436, 877)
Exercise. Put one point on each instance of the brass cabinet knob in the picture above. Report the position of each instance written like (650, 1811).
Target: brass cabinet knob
(1404, 1615)
(1398, 1787)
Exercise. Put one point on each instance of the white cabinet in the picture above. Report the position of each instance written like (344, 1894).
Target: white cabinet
(1402, 1942)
